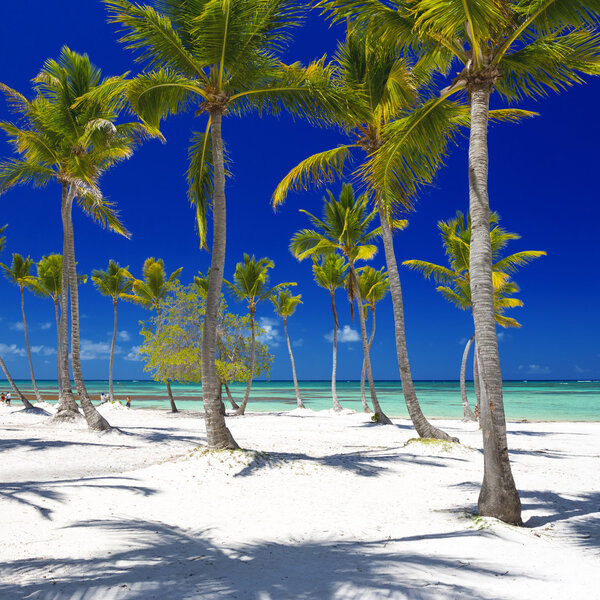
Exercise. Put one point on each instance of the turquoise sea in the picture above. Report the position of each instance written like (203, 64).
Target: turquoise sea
(531, 400)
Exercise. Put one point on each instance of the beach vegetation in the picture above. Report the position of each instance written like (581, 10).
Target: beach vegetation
(285, 305)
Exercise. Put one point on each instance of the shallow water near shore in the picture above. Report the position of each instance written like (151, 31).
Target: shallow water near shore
(531, 400)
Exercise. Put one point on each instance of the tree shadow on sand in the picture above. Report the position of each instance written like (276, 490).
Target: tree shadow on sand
(162, 561)
(40, 495)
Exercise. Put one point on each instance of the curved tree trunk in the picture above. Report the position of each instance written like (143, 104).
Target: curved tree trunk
(36, 391)
(336, 403)
(233, 403)
(94, 419)
(381, 416)
(467, 412)
(112, 354)
(171, 399)
(287, 337)
(363, 396)
(58, 352)
(422, 426)
(14, 387)
(242, 409)
(217, 433)
(498, 497)
(67, 409)
(476, 385)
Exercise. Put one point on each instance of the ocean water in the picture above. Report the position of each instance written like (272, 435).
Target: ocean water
(531, 400)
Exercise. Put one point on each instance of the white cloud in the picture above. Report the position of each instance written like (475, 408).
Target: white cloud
(501, 335)
(345, 335)
(578, 369)
(93, 350)
(271, 335)
(18, 326)
(133, 354)
(123, 336)
(43, 350)
(298, 343)
(534, 369)
(46, 325)
(6, 350)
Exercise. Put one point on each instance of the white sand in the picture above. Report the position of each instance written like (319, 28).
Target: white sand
(330, 507)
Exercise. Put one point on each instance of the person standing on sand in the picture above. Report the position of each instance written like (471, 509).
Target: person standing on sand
(8, 397)
(128, 402)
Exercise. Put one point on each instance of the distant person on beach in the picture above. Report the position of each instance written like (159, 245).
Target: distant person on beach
(128, 402)
(2, 398)
(103, 398)
(8, 398)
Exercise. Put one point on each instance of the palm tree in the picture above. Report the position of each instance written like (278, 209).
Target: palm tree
(344, 229)
(117, 283)
(19, 273)
(520, 49)
(251, 283)
(390, 98)
(285, 306)
(70, 137)
(151, 293)
(15, 389)
(373, 286)
(220, 57)
(456, 239)
(330, 274)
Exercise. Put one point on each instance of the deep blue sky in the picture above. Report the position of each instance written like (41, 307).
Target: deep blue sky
(543, 181)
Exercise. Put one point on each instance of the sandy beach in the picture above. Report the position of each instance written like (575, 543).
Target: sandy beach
(321, 506)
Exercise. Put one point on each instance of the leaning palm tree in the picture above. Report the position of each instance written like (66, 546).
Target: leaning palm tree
(251, 283)
(391, 97)
(345, 228)
(117, 283)
(68, 138)
(219, 57)
(456, 240)
(151, 292)
(19, 273)
(373, 286)
(285, 306)
(520, 49)
(330, 274)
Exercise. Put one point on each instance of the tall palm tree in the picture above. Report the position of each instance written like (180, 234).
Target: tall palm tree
(285, 306)
(70, 138)
(390, 97)
(345, 228)
(456, 240)
(221, 57)
(330, 274)
(12, 384)
(521, 49)
(251, 283)
(19, 273)
(151, 292)
(373, 286)
(117, 283)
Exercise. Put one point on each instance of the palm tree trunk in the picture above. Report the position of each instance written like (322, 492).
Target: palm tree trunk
(95, 420)
(233, 403)
(58, 351)
(467, 412)
(171, 399)
(217, 433)
(381, 416)
(363, 396)
(38, 396)
(422, 426)
(287, 337)
(336, 403)
(67, 409)
(476, 384)
(242, 408)
(498, 497)
(14, 387)
(112, 354)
